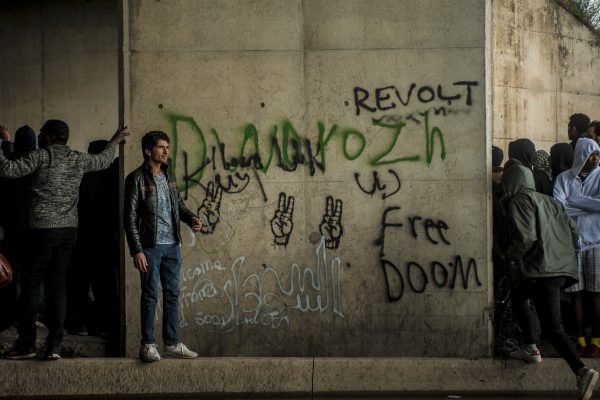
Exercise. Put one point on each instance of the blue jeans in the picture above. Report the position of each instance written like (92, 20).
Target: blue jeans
(164, 262)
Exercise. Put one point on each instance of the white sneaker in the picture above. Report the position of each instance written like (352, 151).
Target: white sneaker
(149, 353)
(179, 351)
(526, 355)
(586, 382)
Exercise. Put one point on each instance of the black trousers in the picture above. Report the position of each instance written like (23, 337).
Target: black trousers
(545, 293)
(48, 257)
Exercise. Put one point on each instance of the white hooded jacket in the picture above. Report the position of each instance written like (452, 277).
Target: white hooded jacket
(582, 199)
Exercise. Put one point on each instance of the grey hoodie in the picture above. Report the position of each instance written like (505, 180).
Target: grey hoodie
(582, 198)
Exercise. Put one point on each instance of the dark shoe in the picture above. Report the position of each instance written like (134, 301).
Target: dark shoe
(582, 351)
(20, 353)
(593, 351)
(585, 383)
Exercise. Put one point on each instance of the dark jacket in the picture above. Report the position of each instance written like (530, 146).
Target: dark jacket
(141, 204)
(543, 238)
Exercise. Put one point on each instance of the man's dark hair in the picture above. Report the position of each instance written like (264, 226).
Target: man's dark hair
(580, 122)
(596, 125)
(57, 130)
(150, 139)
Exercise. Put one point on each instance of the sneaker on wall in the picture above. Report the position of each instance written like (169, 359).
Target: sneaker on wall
(526, 355)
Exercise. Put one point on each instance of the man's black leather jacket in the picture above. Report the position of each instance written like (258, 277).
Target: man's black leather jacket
(141, 204)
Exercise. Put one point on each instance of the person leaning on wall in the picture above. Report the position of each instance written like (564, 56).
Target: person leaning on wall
(55, 175)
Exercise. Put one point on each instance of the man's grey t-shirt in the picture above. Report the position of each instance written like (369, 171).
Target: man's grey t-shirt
(165, 232)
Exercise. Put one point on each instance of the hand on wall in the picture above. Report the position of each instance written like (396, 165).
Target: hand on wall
(282, 223)
(209, 210)
(331, 228)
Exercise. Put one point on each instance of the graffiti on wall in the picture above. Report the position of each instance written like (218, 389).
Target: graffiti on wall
(219, 296)
(331, 228)
(390, 97)
(287, 150)
(377, 186)
(442, 274)
(282, 222)
(263, 295)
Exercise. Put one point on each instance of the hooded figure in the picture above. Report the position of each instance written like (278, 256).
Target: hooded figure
(580, 193)
(542, 237)
(522, 150)
(561, 159)
(542, 256)
(579, 190)
(25, 139)
(542, 173)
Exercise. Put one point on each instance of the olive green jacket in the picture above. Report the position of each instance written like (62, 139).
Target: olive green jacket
(543, 238)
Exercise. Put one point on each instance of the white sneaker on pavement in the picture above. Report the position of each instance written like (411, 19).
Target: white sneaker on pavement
(179, 351)
(526, 355)
(149, 353)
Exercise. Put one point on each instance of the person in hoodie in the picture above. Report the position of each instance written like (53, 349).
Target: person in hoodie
(522, 150)
(55, 175)
(578, 189)
(542, 172)
(542, 259)
(561, 159)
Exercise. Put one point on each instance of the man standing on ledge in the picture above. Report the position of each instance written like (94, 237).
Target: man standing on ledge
(153, 209)
(53, 190)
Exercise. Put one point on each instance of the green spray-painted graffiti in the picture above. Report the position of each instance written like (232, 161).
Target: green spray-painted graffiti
(288, 150)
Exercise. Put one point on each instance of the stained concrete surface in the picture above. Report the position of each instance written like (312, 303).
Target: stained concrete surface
(73, 345)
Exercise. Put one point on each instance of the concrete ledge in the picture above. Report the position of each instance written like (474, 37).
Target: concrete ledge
(283, 377)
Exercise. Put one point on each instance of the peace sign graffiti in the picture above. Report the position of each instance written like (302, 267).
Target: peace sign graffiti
(209, 210)
(282, 224)
(331, 227)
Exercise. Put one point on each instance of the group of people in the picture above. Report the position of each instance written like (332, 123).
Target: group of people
(546, 236)
(547, 245)
(48, 188)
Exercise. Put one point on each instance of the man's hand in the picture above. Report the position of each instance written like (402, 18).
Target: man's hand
(140, 262)
(4, 133)
(120, 135)
(196, 224)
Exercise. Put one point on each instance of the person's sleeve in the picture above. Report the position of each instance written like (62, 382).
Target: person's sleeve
(584, 203)
(524, 232)
(23, 166)
(574, 233)
(131, 218)
(98, 162)
(560, 194)
(7, 147)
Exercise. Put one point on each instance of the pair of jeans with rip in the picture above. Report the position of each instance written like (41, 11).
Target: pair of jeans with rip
(164, 264)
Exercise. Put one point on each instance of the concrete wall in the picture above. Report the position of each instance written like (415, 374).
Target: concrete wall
(379, 112)
(59, 61)
(546, 67)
